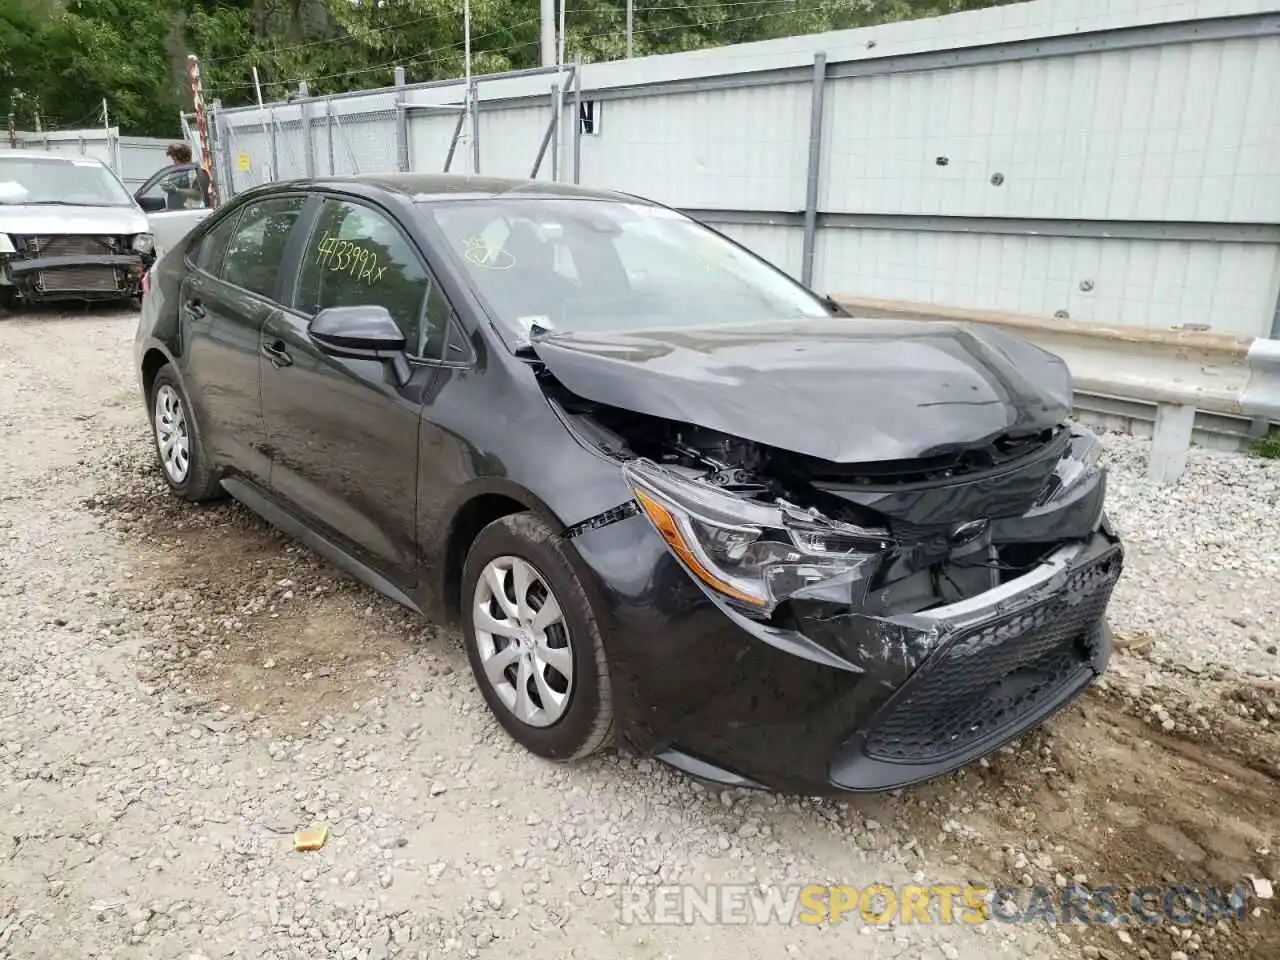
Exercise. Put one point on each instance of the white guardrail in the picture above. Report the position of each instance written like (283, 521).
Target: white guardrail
(1171, 384)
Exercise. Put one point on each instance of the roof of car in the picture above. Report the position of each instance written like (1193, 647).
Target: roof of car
(45, 155)
(456, 186)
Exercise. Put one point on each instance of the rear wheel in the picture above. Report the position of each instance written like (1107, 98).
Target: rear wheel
(183, 461)
(533, 641)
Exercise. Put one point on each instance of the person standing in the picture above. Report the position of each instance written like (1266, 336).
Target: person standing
(189, 185)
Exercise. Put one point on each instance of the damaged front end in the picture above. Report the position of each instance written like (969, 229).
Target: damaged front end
(42, 268)
(968, 587)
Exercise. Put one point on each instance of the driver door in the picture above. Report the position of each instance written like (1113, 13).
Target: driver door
(342, 432)
(170, 214)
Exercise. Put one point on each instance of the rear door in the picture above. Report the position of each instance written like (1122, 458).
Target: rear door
(225, 301)
(343, 433)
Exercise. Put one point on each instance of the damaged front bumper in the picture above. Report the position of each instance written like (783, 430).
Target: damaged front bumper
(82, 272)
(999, 664)
(904, 699)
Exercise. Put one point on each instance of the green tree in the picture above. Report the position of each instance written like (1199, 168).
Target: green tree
(63, 57)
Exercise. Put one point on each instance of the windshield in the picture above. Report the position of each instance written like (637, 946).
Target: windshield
(598, 265)
(59, 181)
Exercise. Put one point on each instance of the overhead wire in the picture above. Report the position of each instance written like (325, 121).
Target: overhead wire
(321, 42)
(421, 59)
(685, 26)
(308, 44)
(415, 60)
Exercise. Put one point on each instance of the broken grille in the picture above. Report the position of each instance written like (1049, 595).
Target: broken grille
(997, 676)
(79, 280)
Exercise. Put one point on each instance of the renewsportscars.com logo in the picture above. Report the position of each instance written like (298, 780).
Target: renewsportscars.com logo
(940, 904)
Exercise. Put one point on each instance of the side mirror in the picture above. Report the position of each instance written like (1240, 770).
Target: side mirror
(360, 333)
(151, 204)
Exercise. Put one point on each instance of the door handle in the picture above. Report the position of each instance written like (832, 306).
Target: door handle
(195, 309)
(277, 354)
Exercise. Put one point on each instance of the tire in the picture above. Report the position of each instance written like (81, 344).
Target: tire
(557, 724)
(169, 411)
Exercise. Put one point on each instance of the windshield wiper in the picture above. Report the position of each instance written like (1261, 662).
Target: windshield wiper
(65, 203)
(835, 307)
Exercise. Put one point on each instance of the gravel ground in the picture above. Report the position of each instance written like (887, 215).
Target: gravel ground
(181, 688)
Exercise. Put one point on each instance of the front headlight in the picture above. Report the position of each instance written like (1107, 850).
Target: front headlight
(753, 554)
(1079, 462)
(144, 243)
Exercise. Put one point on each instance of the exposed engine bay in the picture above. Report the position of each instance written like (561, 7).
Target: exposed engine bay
(892, 538)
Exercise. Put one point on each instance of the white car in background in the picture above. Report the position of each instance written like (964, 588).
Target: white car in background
(171, 207)
(69, 230)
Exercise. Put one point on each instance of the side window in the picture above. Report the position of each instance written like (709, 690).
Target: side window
(258, 243)
(180, 188)
(208, 256)
(357, 257)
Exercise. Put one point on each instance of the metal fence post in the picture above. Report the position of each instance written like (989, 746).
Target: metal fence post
(577, 118)
(328, 129)
(402, 123)
(271, 144)
(815, 164)
(453, 143)
(304, 116)
(555, 135)
(222, 135)
(542, 148)
(475, 127)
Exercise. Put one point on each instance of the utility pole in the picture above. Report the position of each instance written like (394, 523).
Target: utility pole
(630, 18)
(547, 9)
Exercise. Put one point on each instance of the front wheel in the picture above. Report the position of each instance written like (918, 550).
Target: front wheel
(181, 453)
(533, 641)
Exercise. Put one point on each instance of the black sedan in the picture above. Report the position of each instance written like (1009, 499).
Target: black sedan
(676, 500)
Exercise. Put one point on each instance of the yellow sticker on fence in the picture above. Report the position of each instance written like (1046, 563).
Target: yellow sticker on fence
(244, 163)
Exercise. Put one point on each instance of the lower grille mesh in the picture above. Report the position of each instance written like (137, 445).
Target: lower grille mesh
(79, 280)
(991, 678)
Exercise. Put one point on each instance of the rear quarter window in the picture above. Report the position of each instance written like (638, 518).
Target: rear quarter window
(209, 249)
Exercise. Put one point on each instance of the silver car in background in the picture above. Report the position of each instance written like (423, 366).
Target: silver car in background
(69, 230)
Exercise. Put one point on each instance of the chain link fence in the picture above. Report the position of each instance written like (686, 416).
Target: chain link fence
(249, 154)
(254, 147)
(383, 131)
(360, 143)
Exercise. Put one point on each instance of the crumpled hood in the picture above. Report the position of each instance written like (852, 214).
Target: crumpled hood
(27, 220)
(843, 390)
